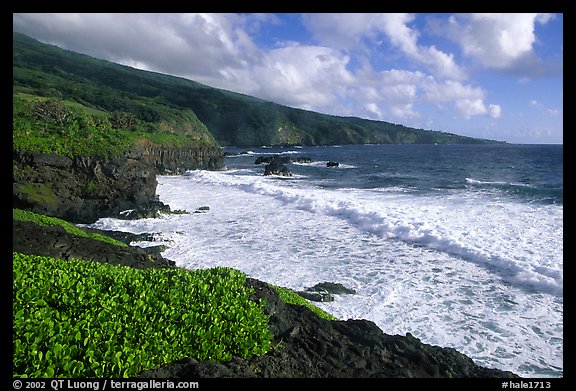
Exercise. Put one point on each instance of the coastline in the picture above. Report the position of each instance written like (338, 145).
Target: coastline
(307, 345)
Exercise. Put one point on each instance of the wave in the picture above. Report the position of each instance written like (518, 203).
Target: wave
(406, 229)
(323, 163)
(498, 183)
(271, 153)
(549, 194)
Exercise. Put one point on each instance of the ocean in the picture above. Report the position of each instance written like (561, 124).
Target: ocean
(460, 245)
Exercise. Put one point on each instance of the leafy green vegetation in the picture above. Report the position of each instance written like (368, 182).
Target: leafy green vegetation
(67, 128)
(23, 215)
(40, 193)
(125, 98)
(88, 319)
(291, 297)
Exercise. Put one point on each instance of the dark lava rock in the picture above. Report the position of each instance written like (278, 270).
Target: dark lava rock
(148, 210)
(202, 209)
(317, 296)
(283, 159)
(331, 287)
(332, 164)
(53, 241)
(277, 164)
(263, 159)
(277, 167)
(85, 188)
(312, 347)
(325, 291)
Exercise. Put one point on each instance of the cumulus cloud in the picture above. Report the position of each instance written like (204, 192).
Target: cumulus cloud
(220, 50)
(499, 41)
(310, 77)
(181, 44)
(495, 111)
(467, 100)
(350, 31)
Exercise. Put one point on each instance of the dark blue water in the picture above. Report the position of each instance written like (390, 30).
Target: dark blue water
(461, 245)
(527, 173)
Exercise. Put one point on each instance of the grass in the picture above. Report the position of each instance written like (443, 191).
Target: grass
(23, 215)
(66, 128)
(291, 297)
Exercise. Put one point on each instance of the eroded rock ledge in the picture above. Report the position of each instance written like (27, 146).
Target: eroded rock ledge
(83, 189)
(306, 346)
(312, 347)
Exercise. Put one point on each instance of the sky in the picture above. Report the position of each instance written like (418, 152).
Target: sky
(495, 76)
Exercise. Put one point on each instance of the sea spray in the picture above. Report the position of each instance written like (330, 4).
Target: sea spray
(474, 266)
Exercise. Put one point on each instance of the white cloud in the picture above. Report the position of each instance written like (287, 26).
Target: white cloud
(350, 31)
(540, 107)
(194, 45)
(502, 41)
(374, 109)
(495, 111)
(470, 107)
(396, 28)
(467, 100)
(303, 76)
(219, 50)
(387, 94)
(341, 31)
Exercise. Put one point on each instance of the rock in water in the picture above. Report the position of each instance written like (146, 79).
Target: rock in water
(331, 287)
(277, 167)
(325, 291)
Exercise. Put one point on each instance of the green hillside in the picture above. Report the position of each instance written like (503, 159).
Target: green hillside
(142, 101)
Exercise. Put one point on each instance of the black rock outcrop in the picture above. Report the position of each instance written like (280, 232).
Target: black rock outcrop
(83, 189)
(277, 167)
(277, 164)
(53, 241)
(312, 347)
(325, 291)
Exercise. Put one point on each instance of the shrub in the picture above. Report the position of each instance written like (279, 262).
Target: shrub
(87, 319)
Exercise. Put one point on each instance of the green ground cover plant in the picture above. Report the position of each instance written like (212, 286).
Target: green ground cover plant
(88, 319)
(24, 215)
(291, 297)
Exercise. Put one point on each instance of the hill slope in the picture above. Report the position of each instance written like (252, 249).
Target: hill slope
(176, 104)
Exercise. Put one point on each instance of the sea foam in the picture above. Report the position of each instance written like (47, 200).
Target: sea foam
(447, 225)
(480, 274)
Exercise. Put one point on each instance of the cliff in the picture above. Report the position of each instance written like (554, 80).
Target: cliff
(175, 159)
(82, 189)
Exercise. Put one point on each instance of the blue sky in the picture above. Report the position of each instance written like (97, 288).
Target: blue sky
(496, 76)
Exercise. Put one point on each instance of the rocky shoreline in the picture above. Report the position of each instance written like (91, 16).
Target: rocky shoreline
(312, 347)
(306, 346)
(83, 189)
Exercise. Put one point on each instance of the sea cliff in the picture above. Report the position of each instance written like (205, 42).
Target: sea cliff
(82, 189)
